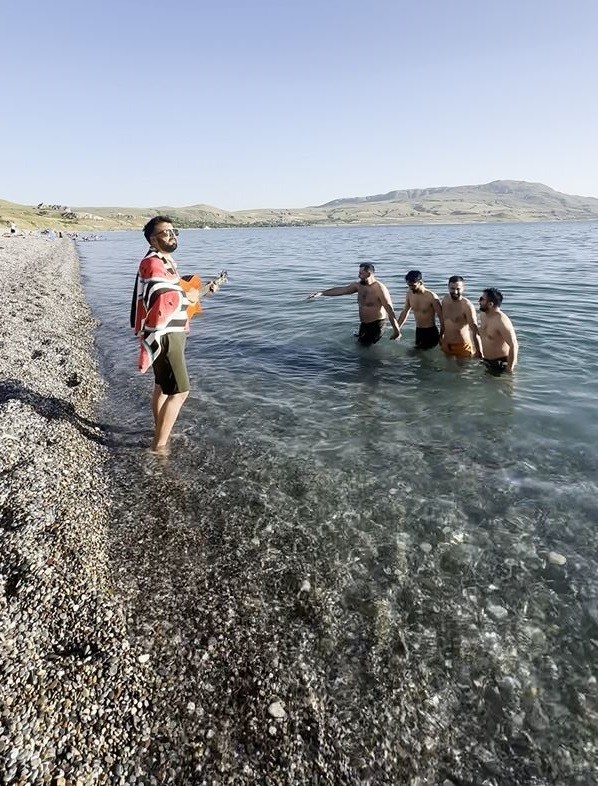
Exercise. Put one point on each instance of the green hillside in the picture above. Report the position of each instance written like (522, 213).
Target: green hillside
(501, 200)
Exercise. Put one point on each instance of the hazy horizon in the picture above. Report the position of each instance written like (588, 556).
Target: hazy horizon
(298, 207)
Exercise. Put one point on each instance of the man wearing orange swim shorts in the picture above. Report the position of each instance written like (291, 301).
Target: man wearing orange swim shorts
(461, 337)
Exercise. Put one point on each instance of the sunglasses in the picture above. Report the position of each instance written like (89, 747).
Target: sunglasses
(168, 233)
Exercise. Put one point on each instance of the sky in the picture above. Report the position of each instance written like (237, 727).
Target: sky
(279, 104)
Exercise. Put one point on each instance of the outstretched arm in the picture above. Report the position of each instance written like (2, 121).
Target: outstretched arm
(350, 289)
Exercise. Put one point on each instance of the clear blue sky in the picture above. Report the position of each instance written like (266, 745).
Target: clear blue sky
(286, 104)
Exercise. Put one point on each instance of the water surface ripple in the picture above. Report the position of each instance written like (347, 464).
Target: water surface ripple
(366, 455)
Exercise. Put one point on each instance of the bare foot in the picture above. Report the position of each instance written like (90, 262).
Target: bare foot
(160, 450)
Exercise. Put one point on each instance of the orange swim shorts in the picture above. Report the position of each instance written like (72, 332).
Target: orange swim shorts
(459, 349)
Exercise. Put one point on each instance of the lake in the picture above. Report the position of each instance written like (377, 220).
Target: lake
(382, 470)
(268, 367)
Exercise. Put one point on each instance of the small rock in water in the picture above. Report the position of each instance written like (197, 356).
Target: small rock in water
(276, 710)
(556, 559)
(305, 587)
(537, 718)
(426, 547)
(536, 636)
(144, 658)
(497, 612)
(509, 686)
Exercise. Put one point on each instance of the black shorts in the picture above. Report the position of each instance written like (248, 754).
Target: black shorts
(427, 338)
(497, 365)
(370, 332)
(170, 369)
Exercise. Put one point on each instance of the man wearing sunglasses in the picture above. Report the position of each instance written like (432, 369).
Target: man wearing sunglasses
(159, 318)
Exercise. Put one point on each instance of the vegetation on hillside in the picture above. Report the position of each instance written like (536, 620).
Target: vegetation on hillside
(499, 201)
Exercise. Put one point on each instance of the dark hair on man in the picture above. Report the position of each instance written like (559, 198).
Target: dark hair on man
(367, 266)
(494, 296)
(456, 280)
(413, 276)
(148, 229)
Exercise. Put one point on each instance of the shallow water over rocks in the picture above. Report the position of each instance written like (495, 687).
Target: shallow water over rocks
(365, 538)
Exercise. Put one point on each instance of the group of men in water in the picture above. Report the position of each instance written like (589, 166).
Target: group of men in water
(159, 317)
(494, 340)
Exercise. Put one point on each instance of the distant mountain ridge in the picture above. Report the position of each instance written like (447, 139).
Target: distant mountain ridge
(514, 188)
(498, 201)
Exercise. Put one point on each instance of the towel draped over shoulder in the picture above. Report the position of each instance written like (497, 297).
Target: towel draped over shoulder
(159, 306)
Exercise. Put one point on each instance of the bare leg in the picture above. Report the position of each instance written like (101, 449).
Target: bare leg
(167, 415)
(158, 401)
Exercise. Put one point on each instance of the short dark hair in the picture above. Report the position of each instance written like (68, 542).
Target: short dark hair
(493, 295)
(413, 276)
(455, 279)
(148, 229)
(368, 266)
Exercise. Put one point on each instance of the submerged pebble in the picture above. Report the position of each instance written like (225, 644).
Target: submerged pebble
(497, 612)
(276, 710)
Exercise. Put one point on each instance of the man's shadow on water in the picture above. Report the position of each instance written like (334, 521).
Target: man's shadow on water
(53, 408)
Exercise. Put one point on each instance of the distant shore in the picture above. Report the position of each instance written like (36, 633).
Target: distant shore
(502, 201)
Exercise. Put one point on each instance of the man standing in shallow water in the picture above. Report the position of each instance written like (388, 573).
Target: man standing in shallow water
(426, 307)
(159, 318)
(499, 342)
(373, 301)
(461, 336)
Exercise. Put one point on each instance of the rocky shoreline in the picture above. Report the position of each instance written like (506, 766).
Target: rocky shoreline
(163, 624)
(71, 686)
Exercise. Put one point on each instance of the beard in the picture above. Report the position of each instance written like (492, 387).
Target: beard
(170, 246)
(455, 296)
(484, 308)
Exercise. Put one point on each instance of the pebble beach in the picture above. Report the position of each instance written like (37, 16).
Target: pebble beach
(71, 687)
(161, 630)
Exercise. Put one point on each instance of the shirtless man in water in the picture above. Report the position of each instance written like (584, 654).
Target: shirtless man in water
(461, 337)
(374, 305)
(499, 342)
(426, 307)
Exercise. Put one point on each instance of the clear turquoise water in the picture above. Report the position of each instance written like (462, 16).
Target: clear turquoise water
(414, 494)
(272, 370)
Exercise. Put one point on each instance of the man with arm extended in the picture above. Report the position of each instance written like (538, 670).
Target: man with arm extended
(374, 304)
(461, 336)
(500, 348)
(426, 307)
(159, 318)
